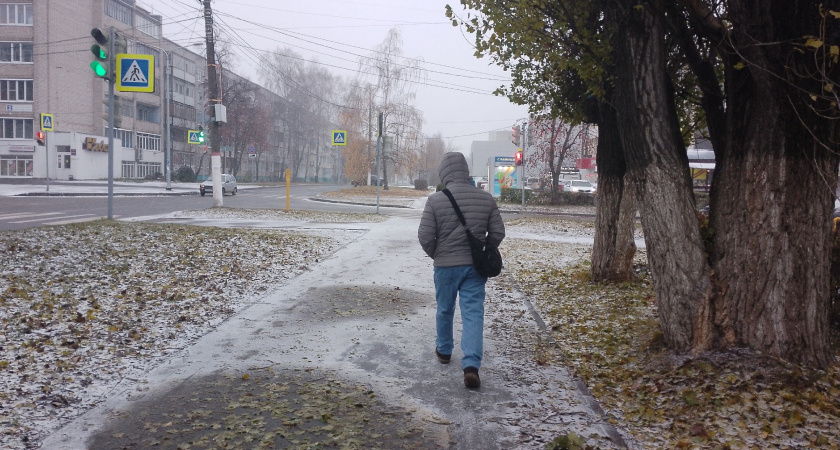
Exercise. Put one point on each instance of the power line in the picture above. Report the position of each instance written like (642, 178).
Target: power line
(280, 31)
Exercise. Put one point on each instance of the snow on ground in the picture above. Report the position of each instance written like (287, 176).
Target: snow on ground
(86, 306)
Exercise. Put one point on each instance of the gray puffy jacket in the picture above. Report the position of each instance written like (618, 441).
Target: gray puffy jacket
(441, 234)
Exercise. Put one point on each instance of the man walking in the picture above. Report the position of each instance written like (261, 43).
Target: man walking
(444, 239)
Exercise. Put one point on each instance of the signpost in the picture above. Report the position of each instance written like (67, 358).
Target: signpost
(193, 137)
(339, 137)
(135, 73)
(47, 122)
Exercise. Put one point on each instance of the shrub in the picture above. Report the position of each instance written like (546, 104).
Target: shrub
(421, 185)
(185, 174)
(537, 198)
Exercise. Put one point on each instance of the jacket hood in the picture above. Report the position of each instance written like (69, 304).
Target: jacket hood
(454, 168)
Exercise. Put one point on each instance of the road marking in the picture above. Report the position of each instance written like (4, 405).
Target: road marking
(19, 215)
(48, 218)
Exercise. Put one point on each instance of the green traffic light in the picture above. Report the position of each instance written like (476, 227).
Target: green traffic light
(98, 52)
(98, 69)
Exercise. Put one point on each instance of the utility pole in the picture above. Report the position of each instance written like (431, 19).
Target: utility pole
(213, 91)
(378, 159)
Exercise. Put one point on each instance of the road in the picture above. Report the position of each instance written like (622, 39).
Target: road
(20, 212)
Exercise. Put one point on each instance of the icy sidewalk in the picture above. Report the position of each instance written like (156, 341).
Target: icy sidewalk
(366, 316)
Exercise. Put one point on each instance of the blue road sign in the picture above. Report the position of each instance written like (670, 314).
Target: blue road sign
(339, 137)
(135, 73)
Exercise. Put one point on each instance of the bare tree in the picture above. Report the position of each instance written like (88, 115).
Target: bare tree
(393, 78)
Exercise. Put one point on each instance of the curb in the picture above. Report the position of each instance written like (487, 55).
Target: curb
(314, 199)
(96, 194)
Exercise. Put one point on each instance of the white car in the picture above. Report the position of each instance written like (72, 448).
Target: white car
(578, 186)
(228, 185)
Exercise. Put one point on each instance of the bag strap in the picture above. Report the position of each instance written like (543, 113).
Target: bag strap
(455, 205)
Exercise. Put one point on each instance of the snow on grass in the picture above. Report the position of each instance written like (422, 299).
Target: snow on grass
(279, 215)
(86, 305)
(609, 335)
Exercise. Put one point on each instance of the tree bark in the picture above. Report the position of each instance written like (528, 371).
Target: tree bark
(658, 167)
(774, 189)
(614, 249)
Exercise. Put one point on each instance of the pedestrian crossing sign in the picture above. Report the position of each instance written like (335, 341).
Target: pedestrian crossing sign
(339, 137)
(135, 73)
(47, 123)
(192, 137)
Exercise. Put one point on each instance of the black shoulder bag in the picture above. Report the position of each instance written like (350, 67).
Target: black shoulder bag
(486, 257)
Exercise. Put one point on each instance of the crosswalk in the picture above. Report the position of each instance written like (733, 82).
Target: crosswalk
(47, 218)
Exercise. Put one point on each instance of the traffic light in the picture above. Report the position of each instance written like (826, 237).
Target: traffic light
(40, 136)
(101, 63)
(517, 131)
(519, 159)
(200, 135)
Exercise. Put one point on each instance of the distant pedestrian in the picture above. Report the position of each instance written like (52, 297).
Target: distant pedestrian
(443, 238)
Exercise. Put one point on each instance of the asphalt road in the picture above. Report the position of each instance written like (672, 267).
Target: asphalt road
(21, 212)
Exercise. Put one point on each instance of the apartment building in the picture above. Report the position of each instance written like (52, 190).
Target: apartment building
(44, 69)
(45, 61)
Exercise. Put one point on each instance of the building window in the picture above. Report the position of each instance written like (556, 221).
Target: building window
(16, 14)
(123, 107)
(182, 111)
(16, 90)
(16, 52)
(148, 141)
(119, 11)
(148, 25)
(15, 166)
(182, 87)
(17, 128)
(143, 49)
(148, 113)
(179, 62)
(127, 137)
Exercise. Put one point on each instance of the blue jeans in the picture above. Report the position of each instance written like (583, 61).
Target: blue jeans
(463, 282)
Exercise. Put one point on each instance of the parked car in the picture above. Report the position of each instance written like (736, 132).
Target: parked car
(480, 182)
(578, 186)
(374, 179)
(533, 183)
(228, 185)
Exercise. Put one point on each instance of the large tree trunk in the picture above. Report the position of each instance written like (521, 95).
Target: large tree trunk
(612, 254)
(774, 189)
(658, 166)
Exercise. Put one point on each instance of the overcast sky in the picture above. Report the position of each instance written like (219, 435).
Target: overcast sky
(457, 99)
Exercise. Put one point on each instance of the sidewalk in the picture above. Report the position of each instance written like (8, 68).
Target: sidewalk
(13, 187)
(359, 327)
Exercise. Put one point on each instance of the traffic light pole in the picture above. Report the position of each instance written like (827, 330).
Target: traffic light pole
(47, 159)
(112, 68)
(524, 146)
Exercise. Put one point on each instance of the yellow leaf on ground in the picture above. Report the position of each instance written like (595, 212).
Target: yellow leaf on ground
(815, 43)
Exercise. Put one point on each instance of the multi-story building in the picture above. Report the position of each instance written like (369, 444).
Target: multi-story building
(44, 58)
(44, 69)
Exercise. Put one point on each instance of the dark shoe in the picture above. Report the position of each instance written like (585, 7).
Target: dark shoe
(471, 379)
(444, 359)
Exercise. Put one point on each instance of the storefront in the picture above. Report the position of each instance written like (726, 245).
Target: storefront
(76, 156)
(17, 160)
